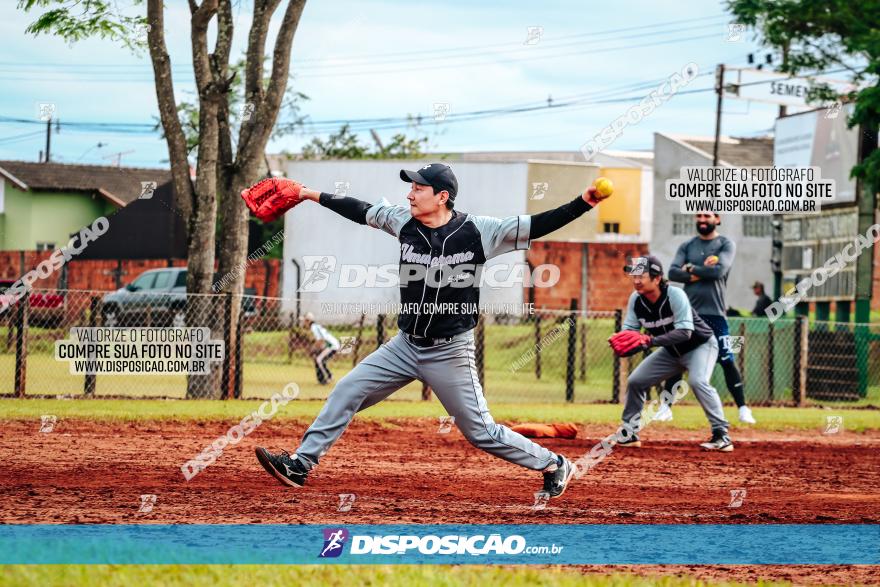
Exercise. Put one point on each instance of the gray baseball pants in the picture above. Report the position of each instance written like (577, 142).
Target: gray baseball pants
(450, 369)
(662, 364)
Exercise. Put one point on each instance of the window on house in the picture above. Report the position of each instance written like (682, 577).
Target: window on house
(682, 224)
(612, 227)
(757, 226)
(45, 246)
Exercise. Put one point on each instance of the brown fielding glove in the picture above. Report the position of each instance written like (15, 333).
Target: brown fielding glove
(628, 342)
(268, 199)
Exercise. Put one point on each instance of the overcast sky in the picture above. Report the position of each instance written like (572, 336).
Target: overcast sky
(388, 59)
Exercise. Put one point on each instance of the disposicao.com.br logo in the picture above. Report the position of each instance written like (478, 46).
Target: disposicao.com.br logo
(452, 544)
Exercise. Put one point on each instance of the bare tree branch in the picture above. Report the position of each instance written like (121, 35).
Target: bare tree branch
(254, 142)
(253, 73)
(168, 109)
(201, 62)
(220, 66)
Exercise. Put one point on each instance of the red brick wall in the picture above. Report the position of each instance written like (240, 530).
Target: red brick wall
(100, 275)
(566, 256)
(607, 287)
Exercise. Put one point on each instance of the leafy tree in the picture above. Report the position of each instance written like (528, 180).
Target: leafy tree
(223, 167)
(815, 36)
(827, 35)
(344, 144)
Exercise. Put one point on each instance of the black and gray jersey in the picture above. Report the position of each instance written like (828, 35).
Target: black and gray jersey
(440, 268)
(671, 311)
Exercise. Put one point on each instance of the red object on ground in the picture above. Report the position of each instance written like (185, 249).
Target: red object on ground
(563, 430)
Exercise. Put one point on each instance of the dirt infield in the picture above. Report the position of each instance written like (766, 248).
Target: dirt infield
(405, 471)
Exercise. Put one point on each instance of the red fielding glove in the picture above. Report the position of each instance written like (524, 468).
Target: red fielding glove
(626, 341)
(622, 339)
(268, 199)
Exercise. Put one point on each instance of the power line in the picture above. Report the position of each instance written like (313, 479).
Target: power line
(593, 37)
(113, 77)
(577, 101)
(17, 138)
(541, 47)
(361, 72)
(592, 34)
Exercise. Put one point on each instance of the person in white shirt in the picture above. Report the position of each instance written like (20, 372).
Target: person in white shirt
(326, 344)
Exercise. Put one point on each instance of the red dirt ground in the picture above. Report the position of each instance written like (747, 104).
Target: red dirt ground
(403, 471)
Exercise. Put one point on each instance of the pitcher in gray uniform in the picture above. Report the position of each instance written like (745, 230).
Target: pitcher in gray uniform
(442, 252)
(703, 264)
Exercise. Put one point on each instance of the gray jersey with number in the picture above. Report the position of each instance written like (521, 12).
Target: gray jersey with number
(708, 296)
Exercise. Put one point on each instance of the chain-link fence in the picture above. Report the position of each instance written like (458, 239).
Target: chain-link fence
(549, 356)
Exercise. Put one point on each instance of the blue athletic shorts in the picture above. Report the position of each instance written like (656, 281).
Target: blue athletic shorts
(719, 326)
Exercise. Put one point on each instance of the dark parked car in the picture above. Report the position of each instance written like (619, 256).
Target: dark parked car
(156, 297)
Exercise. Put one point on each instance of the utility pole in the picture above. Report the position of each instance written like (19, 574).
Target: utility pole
(779, 219)
(48, 137)
(719, 89)
(867, 204)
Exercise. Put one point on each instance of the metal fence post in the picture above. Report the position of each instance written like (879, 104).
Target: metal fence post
(380, 330)
(805, 354)
(582, 335)
(537, 346)
(10, 331)
(615, 377)
(21, 345)
(480, 354)
(91, 380)
(801, 334)
(239, 355)
(572, 345)
(770, 362)
(290, 338)
(228, 356)
(357, 341)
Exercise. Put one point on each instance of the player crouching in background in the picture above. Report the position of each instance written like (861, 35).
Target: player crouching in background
(685, 341)
(325, 346)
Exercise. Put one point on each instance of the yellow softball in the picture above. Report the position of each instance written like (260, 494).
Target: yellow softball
(604, 188)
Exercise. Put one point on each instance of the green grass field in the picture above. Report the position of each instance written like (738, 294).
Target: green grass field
(687, 417)
(341, 575)
(511, 371)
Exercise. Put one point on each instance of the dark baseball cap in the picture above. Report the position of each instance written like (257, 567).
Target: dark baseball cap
(437, 175)
(640, 265)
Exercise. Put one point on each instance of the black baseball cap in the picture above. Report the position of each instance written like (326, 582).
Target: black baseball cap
(437, 175)
(639, 265)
